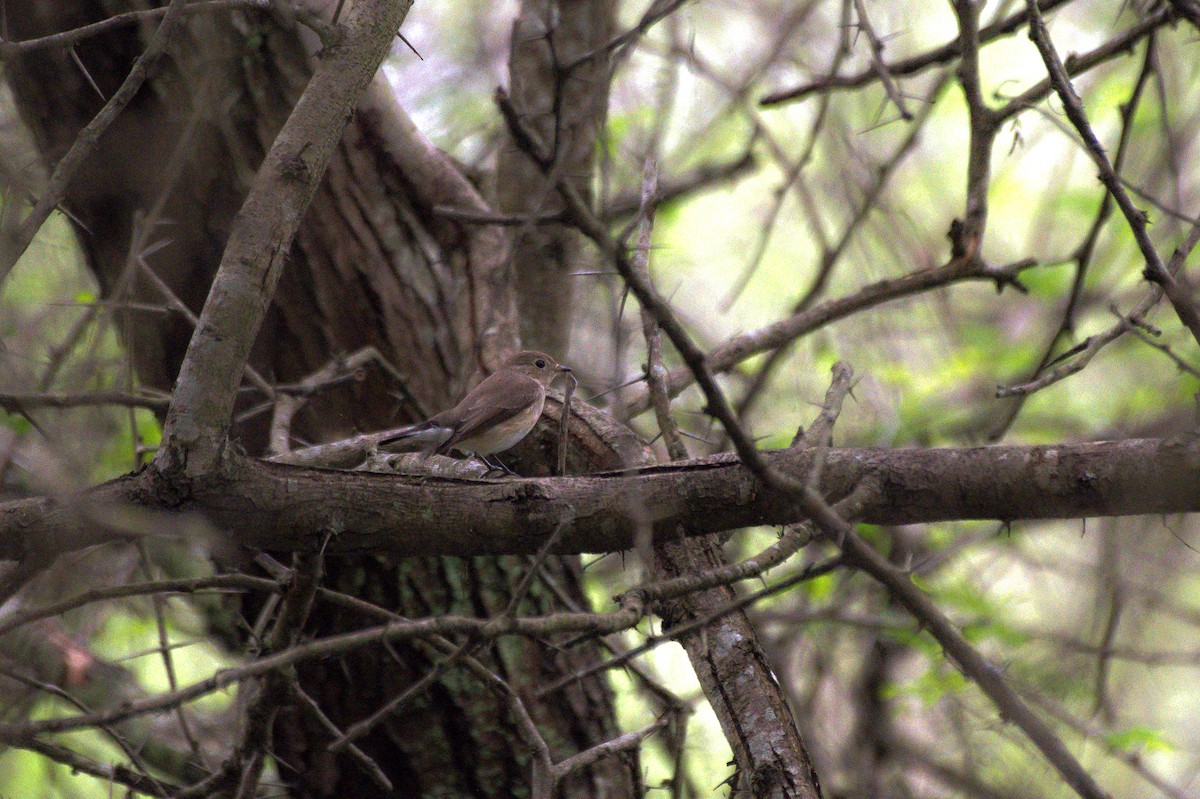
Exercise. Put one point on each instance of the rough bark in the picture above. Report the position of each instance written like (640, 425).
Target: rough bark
(371, 266)
(732, 667)
(198, 421)
(561, 94)
(289, 507)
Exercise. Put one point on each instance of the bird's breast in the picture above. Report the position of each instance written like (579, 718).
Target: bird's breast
(505, 434)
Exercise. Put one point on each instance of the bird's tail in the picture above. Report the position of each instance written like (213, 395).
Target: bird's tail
(425, 437)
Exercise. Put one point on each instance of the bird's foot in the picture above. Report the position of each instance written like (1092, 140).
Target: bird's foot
(494, 464)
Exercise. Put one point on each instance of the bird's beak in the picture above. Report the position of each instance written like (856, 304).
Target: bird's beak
(562, 368)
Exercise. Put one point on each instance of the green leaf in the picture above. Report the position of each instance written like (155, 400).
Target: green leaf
(1139, 738)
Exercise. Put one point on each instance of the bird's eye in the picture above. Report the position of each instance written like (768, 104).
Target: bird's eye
(539, 363)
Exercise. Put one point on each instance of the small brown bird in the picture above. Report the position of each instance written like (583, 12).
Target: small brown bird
(494, 415)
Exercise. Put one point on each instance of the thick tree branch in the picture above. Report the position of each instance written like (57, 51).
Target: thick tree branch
(202, 405)
(729, 661)
(289, 508)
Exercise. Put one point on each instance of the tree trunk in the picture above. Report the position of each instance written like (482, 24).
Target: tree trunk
(372, 266)
(559, 76)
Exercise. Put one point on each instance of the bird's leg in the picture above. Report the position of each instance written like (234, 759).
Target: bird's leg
(496, 465)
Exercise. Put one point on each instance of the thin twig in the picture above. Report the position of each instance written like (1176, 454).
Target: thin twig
(908, 66)
(876, 48)
(12, 402)
(971, 663)
(56, 187)
(368, 765)
(809, 572)
(1174, 285)
(656, 372)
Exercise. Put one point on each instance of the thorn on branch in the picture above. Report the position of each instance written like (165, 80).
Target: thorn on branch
(957, 236)
(1143, 325)
(820, 434)
(400, 36)
(1010, 280)
(519, 132)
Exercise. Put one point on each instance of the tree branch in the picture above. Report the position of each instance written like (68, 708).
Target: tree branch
(1175, 285)
(282, 507)
(70, 164)
(197, 424)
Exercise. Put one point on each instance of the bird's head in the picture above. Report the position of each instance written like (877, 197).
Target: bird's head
(538, 365)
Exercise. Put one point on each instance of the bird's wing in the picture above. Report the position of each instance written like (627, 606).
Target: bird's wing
(497, 399)
(426, 436)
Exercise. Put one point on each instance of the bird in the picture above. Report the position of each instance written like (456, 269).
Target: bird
(493, 416)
